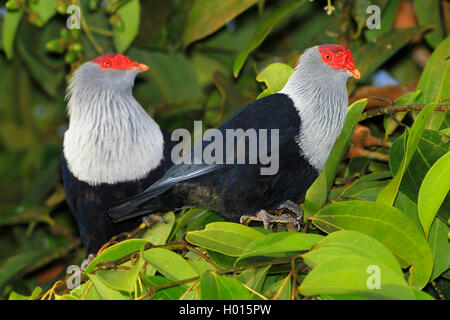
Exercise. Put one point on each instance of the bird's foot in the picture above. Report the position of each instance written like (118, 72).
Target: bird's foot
(87, 261)
(292, 207)
(267, 218)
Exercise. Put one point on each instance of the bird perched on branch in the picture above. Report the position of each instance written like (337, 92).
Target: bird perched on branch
(112, 149)
(309, 113)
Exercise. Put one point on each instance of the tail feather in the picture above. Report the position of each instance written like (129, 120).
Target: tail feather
(132, 207)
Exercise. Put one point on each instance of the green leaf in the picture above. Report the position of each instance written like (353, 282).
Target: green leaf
(105, 291)
(122, 280)
(385, 46)
(216, 287)
(207, 16)
(172, 293)
(169, 264)
(352, 275)
(130, 13)
(349, 242)
(202, 266)
(225, 237)
(317, 195)
(166, 72)
(432, 146)
(254, 278)
(272, 285)
(49, 79)
(17, 296)
(434, 82)
(440, 246)
(388, 194)
(117, 251)
(386, 224)
(275, 76)
(263, 30)
(434, 189)
(429, 13)
(280, 244)
(16, 263)
(159, 232)
(10, 25)
(46, 9)
(351, 246)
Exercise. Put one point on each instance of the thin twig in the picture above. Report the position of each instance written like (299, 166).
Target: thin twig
(255, 292)
(394, 109)
(189, 289)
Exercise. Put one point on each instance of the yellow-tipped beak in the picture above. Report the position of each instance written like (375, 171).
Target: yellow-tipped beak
(354, 73)
(141, 67)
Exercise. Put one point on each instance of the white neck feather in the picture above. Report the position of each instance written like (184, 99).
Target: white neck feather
(110, 137)
(320, 95)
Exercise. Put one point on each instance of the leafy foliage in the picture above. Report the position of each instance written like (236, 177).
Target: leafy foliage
(373, 229)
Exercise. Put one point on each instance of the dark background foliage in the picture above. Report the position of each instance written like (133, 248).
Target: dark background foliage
(204, 57)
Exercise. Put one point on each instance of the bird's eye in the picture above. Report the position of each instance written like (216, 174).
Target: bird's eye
(327, 56)
(107, 64)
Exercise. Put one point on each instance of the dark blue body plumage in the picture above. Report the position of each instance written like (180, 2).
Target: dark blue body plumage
(234, 190)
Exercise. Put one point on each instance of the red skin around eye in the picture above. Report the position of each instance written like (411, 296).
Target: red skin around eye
(114, 61)
(338, 56)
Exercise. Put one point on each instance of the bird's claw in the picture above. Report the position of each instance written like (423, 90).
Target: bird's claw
(267, 218)
(293, 207)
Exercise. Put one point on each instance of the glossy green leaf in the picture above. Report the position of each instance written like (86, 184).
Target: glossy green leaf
(171, 293)
(225, 237)
(352, 275)
(207, 16)
(388, 194)
(280, 244)
(17, 263)
(17, 296)
(117, 251)
(216, 287)
(386, 224)
(351, 243)
(431, 147)
(159, 232)
(317, 195)
(273, 284)
(263, 30)
(46, 9)
(254, 278)
(440, 246)
(429, 13)
(434, 189)
(122, 280)
(10, 25)
(434, 82)
(170, 264)
(275, 76)
(130, 14)
(105, 291)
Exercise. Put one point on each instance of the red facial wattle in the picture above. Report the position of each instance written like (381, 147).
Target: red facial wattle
(119, 62)
(339, 57)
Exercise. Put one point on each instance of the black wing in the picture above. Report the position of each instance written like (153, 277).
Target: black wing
(259, 114)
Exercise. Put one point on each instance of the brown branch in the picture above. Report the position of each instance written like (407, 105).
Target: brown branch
(394, 109)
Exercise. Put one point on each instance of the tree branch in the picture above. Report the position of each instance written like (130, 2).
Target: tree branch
(394, 109)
